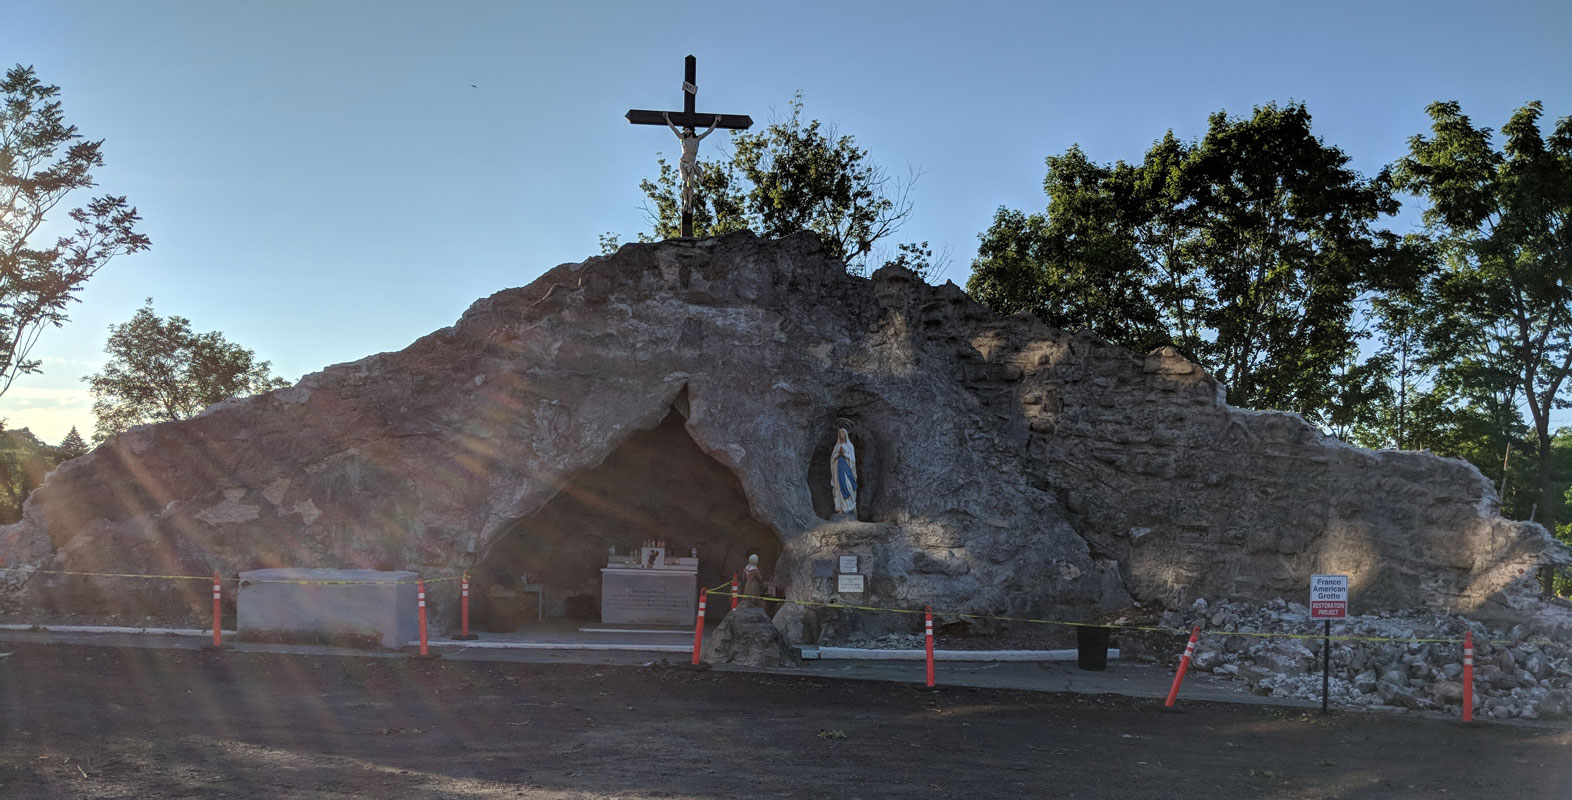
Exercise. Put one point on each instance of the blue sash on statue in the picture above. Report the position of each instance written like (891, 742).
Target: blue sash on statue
(846, 478)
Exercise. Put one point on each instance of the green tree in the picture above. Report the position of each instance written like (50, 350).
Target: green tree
(24, 461)
(793, 175)
(919, 258)
(609, 242)
(1248, 250)
(160, 370)
(719, 201)
(1402, 405)
(72, 445)
(1363, 400)
(1077, 266)
(1501, 217)
(43, 160)
(1162, 222)
(1286, 246)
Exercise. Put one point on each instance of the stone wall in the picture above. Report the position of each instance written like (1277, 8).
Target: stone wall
(1008, 468)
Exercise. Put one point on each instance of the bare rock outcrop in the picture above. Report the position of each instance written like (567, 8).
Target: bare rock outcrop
(748, 638)
(1007, 467)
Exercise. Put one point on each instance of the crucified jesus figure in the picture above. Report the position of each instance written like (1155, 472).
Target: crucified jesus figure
(688, 165)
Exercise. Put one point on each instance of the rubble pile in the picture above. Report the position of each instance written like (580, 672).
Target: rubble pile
(890, 641)
(1522, 672)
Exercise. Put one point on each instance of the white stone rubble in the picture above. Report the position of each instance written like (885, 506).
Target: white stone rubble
(1523, 672)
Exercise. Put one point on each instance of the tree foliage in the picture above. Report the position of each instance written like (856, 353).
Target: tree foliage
(793, 175)
(160, 370)
(42, 161)
(24, 461)
(1077, 266)
(1247, 250)
(72, 445)
(1285, 243)
(1501, 219)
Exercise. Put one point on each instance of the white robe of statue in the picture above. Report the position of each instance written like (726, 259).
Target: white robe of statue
(843, 474)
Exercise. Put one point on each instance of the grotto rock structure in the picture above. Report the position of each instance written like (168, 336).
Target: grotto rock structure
(691, 390)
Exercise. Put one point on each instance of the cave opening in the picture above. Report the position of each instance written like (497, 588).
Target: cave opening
(658, 485)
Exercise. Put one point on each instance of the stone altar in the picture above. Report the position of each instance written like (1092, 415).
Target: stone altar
(649, 589)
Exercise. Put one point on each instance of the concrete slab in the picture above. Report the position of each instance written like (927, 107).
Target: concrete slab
(327, 605)
(566, 635)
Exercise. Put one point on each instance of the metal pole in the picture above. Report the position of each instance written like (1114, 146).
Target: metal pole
(1326, 663)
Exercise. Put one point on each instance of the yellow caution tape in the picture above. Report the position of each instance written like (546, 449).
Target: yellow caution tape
(1152, 628)
(210, 577)
(348, 583)
(112, 574)
(846, 606)
(953, 614)
(1415, 640)
(1333, 638)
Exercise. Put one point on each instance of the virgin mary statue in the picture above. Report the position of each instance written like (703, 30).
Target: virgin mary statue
(843, 474)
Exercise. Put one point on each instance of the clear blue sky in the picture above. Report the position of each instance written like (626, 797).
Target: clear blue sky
(321, 182)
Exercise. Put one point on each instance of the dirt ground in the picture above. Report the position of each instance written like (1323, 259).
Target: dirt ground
(94, 722)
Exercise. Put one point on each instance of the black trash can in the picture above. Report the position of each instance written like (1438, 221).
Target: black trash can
(1091, 644)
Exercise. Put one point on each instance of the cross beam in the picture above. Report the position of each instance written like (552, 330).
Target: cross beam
(688, 118)
(684, 119)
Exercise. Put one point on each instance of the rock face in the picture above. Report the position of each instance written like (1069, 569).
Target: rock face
(747, 637)
(690, 391)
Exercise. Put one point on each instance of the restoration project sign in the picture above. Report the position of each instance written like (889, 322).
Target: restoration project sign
(1328, 596)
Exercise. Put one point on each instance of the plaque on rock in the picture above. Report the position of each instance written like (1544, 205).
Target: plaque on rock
(648, 596)
(823, 568)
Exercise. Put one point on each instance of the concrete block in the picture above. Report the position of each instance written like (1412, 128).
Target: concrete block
(348, 605)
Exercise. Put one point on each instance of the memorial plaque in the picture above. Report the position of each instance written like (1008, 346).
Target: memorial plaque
(849, 584)
(848, 565)
(648, 596)
(823, 568)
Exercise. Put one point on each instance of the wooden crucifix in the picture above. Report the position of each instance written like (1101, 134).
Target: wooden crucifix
(689, 121)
